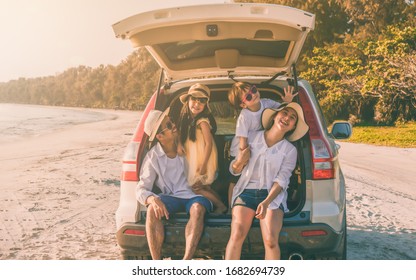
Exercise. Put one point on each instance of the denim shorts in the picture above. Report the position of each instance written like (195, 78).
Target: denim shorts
(251, 198)
(175, 204)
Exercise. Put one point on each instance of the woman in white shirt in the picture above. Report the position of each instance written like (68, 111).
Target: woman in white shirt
(265, 167)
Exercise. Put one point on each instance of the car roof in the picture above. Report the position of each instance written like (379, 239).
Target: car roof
(220, 39)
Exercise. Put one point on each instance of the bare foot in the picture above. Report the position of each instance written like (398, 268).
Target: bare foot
(220, 209)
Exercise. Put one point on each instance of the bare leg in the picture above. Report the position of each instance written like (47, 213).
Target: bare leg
(155, 234)
(230, 194)
(193, 230)
(271, 226)
(241, 221)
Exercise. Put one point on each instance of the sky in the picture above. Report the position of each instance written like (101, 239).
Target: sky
(46, 37)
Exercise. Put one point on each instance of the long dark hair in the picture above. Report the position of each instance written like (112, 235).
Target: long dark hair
(187, 124)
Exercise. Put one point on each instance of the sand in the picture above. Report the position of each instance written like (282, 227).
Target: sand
(381, 201)
(59, 192)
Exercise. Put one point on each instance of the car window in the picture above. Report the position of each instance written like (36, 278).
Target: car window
(225, 116)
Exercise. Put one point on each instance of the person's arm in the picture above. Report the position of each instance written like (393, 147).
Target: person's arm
(243, 143)
(287, 167)
(237, 165)
(144, 188)
(243, 155)
(206, 132)
(262, 207)
(147, 177)
(280, 181)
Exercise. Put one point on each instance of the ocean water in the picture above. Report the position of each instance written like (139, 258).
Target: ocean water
(19, 121)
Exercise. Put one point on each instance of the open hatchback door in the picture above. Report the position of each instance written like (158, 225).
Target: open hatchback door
(220, 39)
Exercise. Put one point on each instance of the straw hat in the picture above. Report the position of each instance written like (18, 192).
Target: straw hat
(197, 90)
(301, 126)
(153, 121)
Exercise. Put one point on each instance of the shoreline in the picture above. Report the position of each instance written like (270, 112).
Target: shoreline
(59, 191)
(29, 122)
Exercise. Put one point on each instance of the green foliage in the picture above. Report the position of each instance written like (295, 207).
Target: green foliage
(125, 86)
(375, 75)
(401, 135)
(368, 18)
(360, 59)
(331, 21)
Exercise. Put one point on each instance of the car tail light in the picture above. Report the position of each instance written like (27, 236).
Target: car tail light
(135, 232)
(323, 167)
(131, 160)
(318, 232)
(129, 168)
(322, 157)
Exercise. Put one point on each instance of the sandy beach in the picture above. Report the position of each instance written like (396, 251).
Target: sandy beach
(59, 191)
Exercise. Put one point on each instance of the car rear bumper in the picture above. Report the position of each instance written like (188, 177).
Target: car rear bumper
(293, 239)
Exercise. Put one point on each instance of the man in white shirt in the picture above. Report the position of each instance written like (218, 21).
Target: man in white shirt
(165, 168)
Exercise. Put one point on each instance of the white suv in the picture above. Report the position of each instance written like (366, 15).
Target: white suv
(216, 45)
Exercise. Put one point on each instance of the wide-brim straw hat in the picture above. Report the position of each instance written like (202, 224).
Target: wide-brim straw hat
(153, 121)
(301, 127)
(197, 90)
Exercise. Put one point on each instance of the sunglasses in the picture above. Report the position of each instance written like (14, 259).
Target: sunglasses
(250, 94)
(199, 100)
(169, 126)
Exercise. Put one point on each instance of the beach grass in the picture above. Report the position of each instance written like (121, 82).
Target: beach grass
(402, 135)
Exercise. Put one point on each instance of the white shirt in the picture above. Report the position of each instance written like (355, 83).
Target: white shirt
(168, 174)
(266, 166)
(249, 121)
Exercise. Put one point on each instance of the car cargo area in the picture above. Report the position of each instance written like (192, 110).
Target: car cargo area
(300, 238)
(217, 227)
(226, 117)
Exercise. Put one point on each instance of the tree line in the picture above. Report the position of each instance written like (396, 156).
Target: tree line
(360, 59)
(125, 86)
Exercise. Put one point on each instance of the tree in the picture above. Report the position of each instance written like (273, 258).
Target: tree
(372, 79)
(370, 17)
(331, 21)
(357, 64)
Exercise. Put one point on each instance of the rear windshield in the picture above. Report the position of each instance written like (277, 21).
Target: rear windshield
(225, 116)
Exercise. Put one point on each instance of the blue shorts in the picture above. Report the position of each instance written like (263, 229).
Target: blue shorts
(175, 204)
(251, 198)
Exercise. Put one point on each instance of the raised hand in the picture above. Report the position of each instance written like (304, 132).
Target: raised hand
(289, 95)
